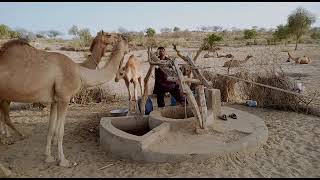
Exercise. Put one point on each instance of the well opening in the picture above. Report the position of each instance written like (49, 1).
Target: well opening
(175, 112)
(137, 126)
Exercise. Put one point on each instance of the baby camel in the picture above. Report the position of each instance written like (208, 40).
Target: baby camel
(236, 63)
(131, 73)
(299, 60)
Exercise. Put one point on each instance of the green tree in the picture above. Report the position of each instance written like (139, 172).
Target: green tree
(282, 33)
(250, 33)
(85, 36)
(151, 41)
(74, 30)
(4, 31)
(13, 34)
(315, 35)
(150, 32)
(299, 22)
(54, 33)
(210, 42)
(176, 29)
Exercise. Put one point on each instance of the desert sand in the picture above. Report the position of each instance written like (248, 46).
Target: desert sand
(292, 149)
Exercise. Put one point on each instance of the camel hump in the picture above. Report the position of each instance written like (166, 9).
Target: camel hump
(15, 42)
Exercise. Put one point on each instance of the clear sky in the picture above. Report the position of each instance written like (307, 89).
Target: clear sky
(109, 16)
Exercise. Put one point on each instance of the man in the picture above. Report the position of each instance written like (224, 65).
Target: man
(162, 85)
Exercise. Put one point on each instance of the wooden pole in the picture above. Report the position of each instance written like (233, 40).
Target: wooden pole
(202, 105)
(186, 90)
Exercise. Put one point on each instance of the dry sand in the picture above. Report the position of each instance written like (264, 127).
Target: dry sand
(292, 149)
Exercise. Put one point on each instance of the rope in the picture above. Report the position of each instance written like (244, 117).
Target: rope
(92, 59)
(271, 87)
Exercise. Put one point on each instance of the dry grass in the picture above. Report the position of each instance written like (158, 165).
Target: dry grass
(92, 95)
(265, 97)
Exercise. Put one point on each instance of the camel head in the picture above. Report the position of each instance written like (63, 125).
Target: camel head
(186, 70)
(120, 73)
(107, 38)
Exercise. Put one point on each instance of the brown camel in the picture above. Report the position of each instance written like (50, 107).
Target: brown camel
(213, 50)
(299, 60)
(97, 48)
(131, 72)
(51, 78)
(236, 63)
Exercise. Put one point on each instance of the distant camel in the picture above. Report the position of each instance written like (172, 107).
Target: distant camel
(213, 50)
(55, 78)
(236, 63)
(131, 73)
(299, 60)
(226, 56)
(97, 49)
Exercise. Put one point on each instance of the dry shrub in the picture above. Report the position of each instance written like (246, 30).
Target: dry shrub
(92, 95)
(265, 97)
(270, 98)
(224, 84)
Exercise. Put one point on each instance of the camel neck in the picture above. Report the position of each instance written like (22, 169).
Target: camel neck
(94, 59)
(97, 77)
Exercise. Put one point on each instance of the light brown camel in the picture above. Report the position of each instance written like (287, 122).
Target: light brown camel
(97, 49)
(299, 60)
(213, 50)
(51, 78)
(236, 63)
(131, 73)
(225, 55)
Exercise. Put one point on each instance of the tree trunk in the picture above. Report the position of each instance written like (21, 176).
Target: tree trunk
(296, 44)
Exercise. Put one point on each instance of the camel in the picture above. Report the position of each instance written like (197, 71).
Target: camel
(51, 78)
(97, 49)
(236, 63)
(131, 73)
(226, 56)
(299, 60)
(213, 50)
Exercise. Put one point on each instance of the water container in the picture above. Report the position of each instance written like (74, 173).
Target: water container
(148, 106)
(251, 103)
(173, 101)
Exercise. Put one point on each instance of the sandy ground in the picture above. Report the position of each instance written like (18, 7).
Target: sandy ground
(292, 149)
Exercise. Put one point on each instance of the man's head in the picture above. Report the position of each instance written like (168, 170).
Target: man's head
(161, 51)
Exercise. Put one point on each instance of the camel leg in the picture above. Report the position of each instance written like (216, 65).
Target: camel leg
(5, 127)
(129, 95)
(51, 132)
(5, 106)
(140, 84)
(141, 89)
(2, 125)
(62, 110)
(135, 83)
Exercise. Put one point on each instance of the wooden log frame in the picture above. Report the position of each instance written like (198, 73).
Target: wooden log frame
(202, 104)
(187, 91)
(197, 73)
(200, 114)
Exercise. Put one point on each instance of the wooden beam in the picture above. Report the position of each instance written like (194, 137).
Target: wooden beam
(202, 105)
(186, 90)
(191, 80)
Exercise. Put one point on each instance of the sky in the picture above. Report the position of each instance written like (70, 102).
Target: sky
(137, 16)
